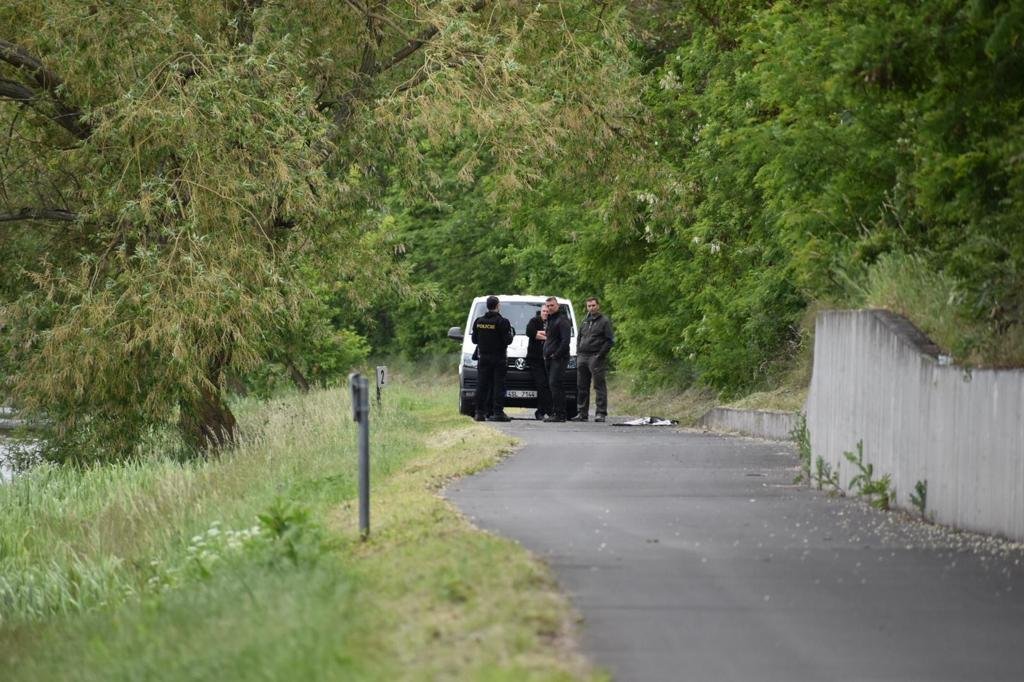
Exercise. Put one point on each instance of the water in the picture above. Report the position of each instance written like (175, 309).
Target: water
(5, 472)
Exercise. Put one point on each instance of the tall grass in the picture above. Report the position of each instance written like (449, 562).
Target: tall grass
(72, 538)
(249, 565)
(686, 404)
(935, 302)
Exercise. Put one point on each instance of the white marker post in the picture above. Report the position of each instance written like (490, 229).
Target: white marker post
(382, 379)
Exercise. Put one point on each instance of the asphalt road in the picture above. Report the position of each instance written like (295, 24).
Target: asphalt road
(692, 556)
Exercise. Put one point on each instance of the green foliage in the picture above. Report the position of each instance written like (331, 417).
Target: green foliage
(255, 183)
(797, 144)
(293, 534)
(853, 153)
(864, 474)
(802, 437)
(200, 196)
(792, 153)
(455, 250)
(181, 213)
(879, 491)
(164, 563)
(824, 476)
(313, 352)
(936, 302)
(919, 497)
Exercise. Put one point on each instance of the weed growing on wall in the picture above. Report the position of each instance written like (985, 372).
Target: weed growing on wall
(802, 437)
(919, 498)
(825, 476)
(879, 491)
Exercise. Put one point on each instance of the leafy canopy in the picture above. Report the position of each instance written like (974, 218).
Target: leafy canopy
(183, 182)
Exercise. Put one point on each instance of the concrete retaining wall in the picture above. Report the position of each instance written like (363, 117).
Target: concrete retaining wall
(757, 423)
(879, 380)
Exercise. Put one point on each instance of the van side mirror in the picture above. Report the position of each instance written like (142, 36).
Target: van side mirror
(455, 334)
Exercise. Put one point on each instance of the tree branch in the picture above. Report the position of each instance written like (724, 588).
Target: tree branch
(418, 78)
(423, 38)
(16, 91)
(45, 79)
(58, 214)
(365, 12)
(18, 57)
(247, 20)
(370, 68)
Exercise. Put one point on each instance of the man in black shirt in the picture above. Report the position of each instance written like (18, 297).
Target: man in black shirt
(558, 332)
(535, 361)
(492, 335)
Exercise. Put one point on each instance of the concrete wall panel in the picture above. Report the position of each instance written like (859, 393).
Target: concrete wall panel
(768, 424)
(877, 379)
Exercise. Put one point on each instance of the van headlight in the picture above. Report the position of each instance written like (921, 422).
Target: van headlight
(468, 361)
(572, 363)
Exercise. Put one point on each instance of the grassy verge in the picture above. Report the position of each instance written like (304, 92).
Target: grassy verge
(935, 303)
(781, 399)
(690, 404)
(786, 391)
(686, 405)
(248, 566)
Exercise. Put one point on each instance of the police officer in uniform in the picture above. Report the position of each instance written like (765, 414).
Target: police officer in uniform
(492, 335)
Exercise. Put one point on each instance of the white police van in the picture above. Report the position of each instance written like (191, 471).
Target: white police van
(519, 388)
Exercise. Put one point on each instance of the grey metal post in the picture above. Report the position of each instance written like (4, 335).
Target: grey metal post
(361, 413)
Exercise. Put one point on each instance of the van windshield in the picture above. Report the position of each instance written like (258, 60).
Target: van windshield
(518, 313)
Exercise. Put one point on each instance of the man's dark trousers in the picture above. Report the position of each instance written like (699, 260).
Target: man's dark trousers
(556, 369)
(540, 379)
(490, 384)
(596, 366)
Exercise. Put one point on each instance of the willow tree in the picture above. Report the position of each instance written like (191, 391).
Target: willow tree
(171, 173)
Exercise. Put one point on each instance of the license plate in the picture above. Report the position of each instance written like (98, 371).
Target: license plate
(520, 394)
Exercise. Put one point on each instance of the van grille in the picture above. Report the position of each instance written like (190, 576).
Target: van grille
(516, 380)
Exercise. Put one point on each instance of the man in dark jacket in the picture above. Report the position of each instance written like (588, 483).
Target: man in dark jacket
(535, 361)
(596, 339)
(492, 335)
(558, 332)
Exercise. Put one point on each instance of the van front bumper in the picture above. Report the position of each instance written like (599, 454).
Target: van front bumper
(517, 381)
